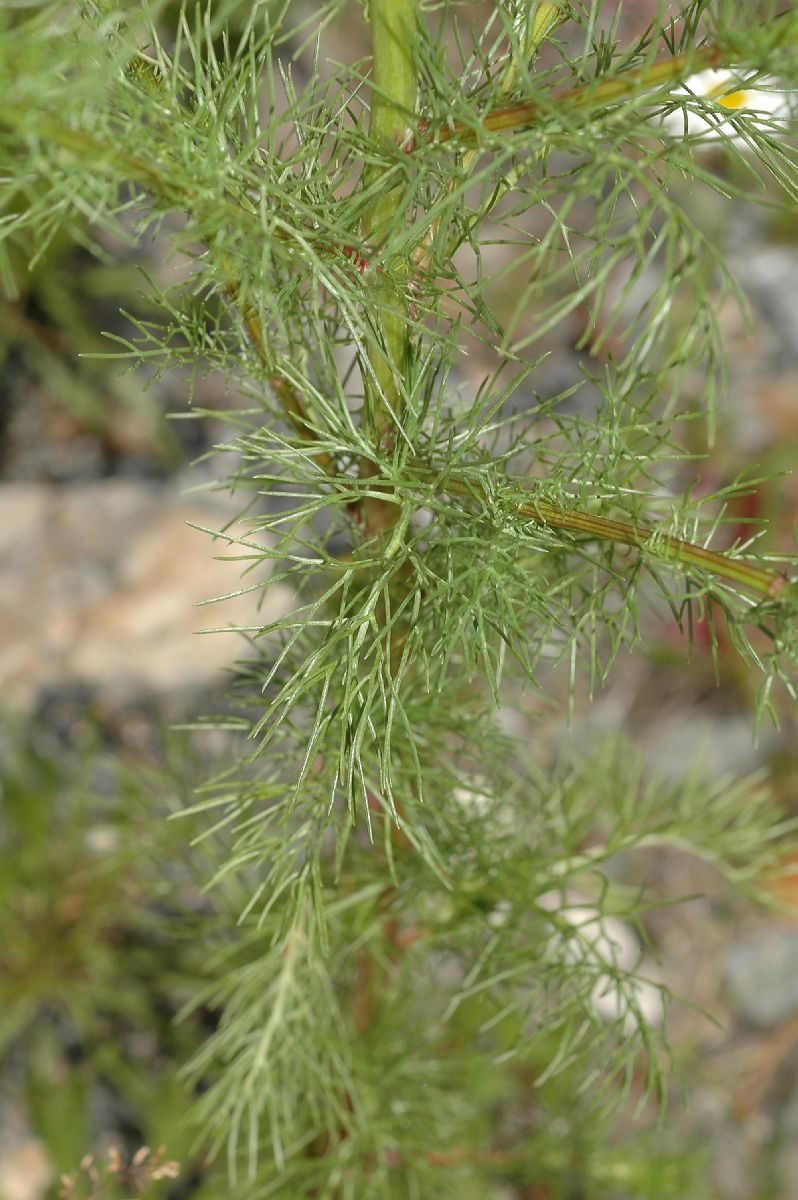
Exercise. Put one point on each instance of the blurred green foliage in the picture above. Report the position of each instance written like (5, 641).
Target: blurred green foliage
(106, 936)
(100, 942)
(50, 321)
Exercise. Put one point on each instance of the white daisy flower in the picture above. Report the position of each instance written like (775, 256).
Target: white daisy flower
(724, 92)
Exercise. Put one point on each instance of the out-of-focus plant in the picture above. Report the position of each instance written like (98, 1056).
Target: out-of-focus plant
(98, 937)
(407, 1002)
(115, 1177)
(47, 316)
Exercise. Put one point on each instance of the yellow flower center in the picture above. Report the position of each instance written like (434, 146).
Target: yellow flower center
(730, 100)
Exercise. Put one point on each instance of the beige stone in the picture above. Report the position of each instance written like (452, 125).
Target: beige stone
(25, 1171)
(100, 582)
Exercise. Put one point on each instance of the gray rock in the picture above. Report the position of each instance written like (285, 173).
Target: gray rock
(722, 744)
(786, 1149)
(769, 275)
(761, 974)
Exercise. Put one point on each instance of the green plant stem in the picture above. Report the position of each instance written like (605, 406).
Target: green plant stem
(394, 88)
(393, 103)
(392, 108)
(769, 584)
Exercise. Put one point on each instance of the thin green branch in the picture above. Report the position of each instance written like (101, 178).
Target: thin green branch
(538, 27)
(595, 93)
(769, 584)
(286, 394)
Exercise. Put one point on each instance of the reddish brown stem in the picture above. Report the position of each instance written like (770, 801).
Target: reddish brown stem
(596, 92)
